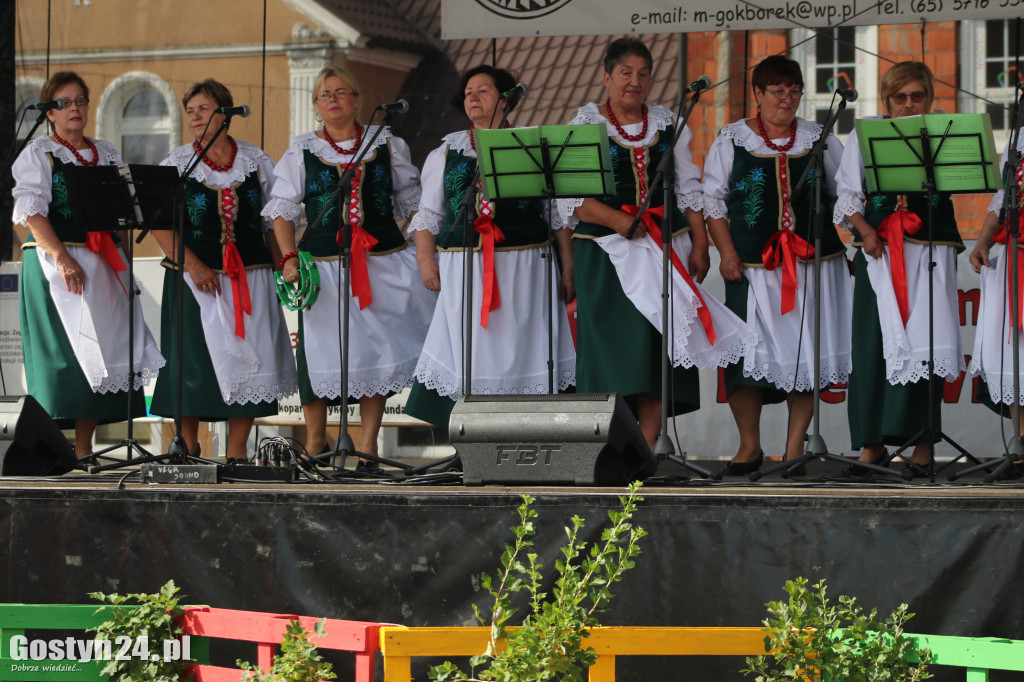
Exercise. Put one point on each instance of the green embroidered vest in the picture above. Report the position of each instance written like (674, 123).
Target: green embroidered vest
(755, 204)
(60, 207)
(878, 207)
(627, 190)
(521, 220)
(206, 231)
(374, 197)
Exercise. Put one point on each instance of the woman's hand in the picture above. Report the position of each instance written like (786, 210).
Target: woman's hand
(979, 256)
(71, 271)
(624, 221)
(731, 267)
(430, 274)
(566, 285)
(873, 246)
(204, 278)
(290, 271)
(700, 262)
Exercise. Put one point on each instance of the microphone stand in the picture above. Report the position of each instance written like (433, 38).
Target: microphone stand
(1011, 206)
(665, 177)
(816, 448)
(343, 446)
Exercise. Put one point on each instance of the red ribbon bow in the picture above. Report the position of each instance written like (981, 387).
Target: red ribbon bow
(892, 230)
(1002, 237)
(490, 234)
(362, 241)
(783, 247)
(652, 218)
(102, 244)
(235, 269)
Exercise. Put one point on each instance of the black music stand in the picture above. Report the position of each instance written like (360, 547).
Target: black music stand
(928, 154)
(109, 198)
(547, 163)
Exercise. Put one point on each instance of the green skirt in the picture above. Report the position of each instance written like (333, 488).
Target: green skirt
(200, 392)
(52, 373)
(428, 405)
(880, 412)
(617, 349)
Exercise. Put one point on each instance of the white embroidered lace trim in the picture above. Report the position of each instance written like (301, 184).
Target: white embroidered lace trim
(565, 211)
(427, 220)
(282, 208)
(407, 200)
(460, 142)
(321, 147)
(693, 200)
(807, 134)
(260, 392)
(360, 388)
(658, 118)
(715, 208)
(444, 385)
(1004, 396)
(104, 150)
(846, 205)
(900, 370)
(33, 204)
(246, 162)
(119, 381)
(829, 375)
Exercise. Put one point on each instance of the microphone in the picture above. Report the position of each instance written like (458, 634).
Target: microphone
(397, 107)
(241, 110)
(702, 83)
(848, 94)
(519, 91)
(47, 106)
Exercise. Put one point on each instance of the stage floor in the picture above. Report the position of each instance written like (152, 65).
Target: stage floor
(413, 554)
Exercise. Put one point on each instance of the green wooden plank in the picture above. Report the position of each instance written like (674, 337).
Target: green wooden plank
(989, 653)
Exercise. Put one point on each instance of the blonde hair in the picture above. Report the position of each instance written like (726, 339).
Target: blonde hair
(337, 72)
(907, 72)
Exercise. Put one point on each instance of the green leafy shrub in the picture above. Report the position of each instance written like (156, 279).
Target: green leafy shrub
(299, 660)
(145, 629)
(549, 643)
(811, 638)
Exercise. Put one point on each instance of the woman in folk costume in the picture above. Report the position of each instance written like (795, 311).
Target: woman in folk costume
(888, 391)
(619, 280)
(510, 294)
(73, 298)
(763, 233)
(389, 311)
(236, 359)
(992, 359)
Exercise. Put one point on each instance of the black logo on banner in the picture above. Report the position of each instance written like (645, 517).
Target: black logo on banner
(526, 454)
(523, 9)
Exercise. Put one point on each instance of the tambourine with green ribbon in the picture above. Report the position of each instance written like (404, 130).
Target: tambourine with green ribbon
(301, 294)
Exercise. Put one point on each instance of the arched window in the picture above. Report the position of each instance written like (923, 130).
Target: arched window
(138, 113)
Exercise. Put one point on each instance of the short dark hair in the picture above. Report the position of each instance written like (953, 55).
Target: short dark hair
(58, 81)
(215, 90)
(625, 47)
(503, 81)
(776, 70)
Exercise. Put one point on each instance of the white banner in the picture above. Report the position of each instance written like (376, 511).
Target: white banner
(525, 18)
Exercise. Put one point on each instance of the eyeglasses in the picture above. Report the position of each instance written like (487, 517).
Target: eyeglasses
(783, 95)
(337, 94)
(78, 101)
(915, 97)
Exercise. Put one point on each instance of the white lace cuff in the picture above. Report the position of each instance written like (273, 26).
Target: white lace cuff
(691, 200)
(427, 220)
(565, 209)
(994, 206)
(33, 204)
(282, 208)
(847, 205)
(715, 208)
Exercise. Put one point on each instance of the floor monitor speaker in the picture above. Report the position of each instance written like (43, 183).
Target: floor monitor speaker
(31, 444)
(565, 439)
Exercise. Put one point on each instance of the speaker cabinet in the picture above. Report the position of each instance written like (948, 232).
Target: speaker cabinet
(568, 439)
(30, 442)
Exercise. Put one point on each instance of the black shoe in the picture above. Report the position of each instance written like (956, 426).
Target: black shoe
(743, 468)
(366, 466)
(856, 470)
(912, 470)
(234, 461)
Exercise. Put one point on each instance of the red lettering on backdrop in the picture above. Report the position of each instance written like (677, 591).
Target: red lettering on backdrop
(962, 298)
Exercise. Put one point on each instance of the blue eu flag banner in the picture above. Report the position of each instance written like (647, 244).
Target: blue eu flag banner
(8, 283)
